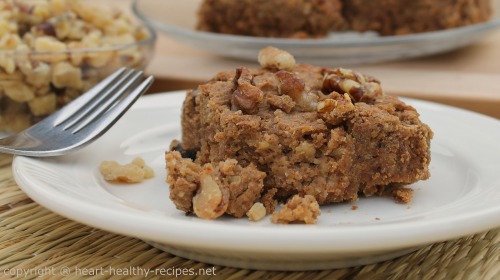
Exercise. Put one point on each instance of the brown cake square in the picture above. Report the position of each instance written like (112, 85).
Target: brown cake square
(297, 130)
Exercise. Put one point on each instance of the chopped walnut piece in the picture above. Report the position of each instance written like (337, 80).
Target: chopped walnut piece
(290, 85)
(246, 96)
(361, 88)
(335, 109)
(66, 75)
(43, 105)
(283, 102)
(48, 43)
(211, 200)
(257, 212)
(17, 91)
(274, 58)
(134, 172)
(294, 87)
(298, 210)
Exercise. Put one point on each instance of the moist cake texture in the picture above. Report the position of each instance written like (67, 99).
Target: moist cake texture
(268, 134)
(316, 18)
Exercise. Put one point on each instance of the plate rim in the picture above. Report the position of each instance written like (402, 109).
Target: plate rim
(414, 234)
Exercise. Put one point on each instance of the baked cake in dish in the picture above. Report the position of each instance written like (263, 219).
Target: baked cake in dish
(316, 18)
(278, 18)
(397, 17)
(267, 134)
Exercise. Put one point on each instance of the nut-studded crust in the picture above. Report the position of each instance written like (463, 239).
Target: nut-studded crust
(213, 189)
(326, 133)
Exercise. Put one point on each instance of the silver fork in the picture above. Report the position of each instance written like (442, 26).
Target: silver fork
(81, 121)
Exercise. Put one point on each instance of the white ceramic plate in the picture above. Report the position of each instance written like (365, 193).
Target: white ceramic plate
(461, 198)
(178, 19)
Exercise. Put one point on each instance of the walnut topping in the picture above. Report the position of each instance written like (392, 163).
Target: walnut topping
(336, 108)
(246, 96)
(243, 75)
(353, 75)
(361, 88)
(257, 212)
(210, 202)
(341, 84)
(274, 58)
(283, 102)
(291, 85)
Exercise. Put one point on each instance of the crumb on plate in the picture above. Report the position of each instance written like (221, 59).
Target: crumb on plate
(134, 172)
(297, 210)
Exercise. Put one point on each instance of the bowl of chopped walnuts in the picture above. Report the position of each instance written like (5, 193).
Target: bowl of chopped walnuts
(51, 51)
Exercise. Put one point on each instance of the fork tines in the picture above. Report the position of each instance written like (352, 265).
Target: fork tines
(100, 99)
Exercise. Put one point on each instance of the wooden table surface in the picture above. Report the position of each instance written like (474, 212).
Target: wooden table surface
(467, 77)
